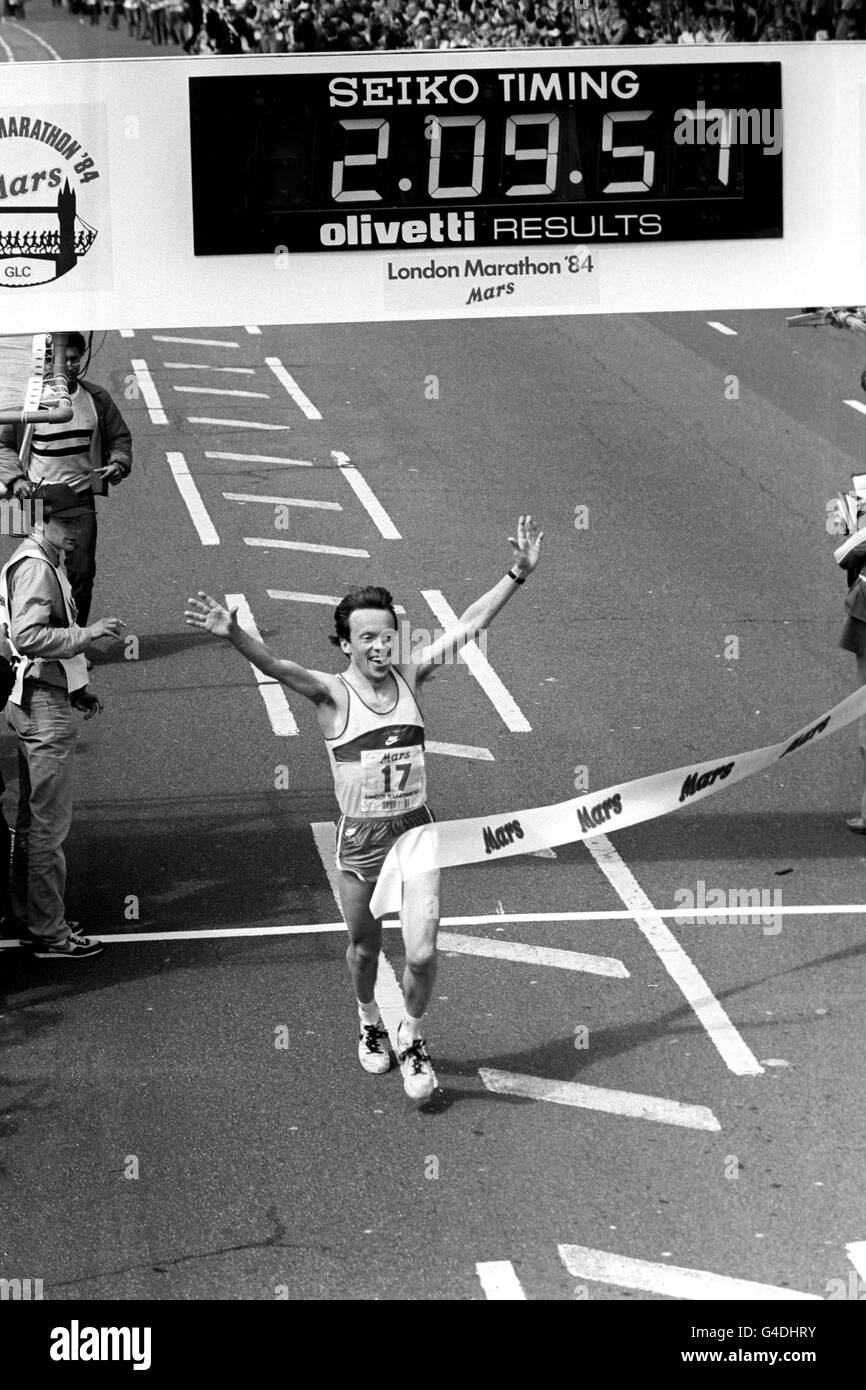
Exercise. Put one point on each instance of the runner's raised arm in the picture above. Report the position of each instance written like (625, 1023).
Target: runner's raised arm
(208, 615)
(526, 549)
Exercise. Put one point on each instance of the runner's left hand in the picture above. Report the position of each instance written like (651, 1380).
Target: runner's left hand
(527, 546)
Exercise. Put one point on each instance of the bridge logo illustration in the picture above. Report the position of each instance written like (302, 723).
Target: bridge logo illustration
(43, 176)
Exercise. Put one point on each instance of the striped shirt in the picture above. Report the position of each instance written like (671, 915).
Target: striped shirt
(62, 453)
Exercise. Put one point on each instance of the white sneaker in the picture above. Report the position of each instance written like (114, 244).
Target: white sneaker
(419, 1078)
(374, 1049)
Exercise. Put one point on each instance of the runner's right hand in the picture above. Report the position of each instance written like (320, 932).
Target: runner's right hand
(204, 612)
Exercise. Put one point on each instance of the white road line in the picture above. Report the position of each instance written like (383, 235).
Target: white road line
(613, 916)
(127, 332)
(293, 388)
(722, 328)
(499, 1281)
(857, 405)
(366, 496)
(389, 995)
(857, 1255)
(53, 51)
(686, 976)
(291, 596)
(522, 954)
(10, 56)
(636, 1107)
(267, 544)
(207, 532)
(282, 501)
(303, 929)
(238, 424)
(221, 391)
(258, 458)
(504, 704)
(252, 329)
(459, 750)
(202, 342)
(673, 1280)
(208, 367)
(271, 691)
(149, 391)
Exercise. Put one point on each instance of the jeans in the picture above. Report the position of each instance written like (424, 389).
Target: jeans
(81, 564)
(47, 729)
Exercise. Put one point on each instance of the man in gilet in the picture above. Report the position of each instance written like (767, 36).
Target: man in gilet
(374, 732)
(36, 604)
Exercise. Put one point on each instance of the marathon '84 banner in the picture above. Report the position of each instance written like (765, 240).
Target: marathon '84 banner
(446, 844)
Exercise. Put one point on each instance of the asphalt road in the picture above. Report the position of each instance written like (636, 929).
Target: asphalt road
(266, 1170)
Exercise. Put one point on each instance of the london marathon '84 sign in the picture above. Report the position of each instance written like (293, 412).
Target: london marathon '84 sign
(52, 208)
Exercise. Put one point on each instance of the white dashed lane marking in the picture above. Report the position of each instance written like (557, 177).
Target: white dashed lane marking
(522, 954)
(294, 390)
(459, 750)
(504, 704)
(257, 458)
(500, 1282)
(628, 1103)
(207, 532)
(235, 424)
(271, 691)
(243, 497)
(366, 496)
(265, 543)
(149, 391)
(200, 342)
(722, 328)
(207, 367)
(222, 391)
(676, 1282)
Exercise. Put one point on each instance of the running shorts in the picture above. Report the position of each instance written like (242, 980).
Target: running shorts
(362, 845)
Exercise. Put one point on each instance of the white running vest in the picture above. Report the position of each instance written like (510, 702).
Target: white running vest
(378, 759)
(75, 667)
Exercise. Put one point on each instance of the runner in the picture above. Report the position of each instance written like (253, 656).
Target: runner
(374, 733)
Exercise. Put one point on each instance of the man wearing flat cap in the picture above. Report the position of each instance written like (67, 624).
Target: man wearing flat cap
(37, 606)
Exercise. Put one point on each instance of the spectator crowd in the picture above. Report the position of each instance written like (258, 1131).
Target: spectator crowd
(299, 26)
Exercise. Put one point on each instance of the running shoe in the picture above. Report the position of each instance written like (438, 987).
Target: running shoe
(75, 947)
(419, 1078)
(374, 1049)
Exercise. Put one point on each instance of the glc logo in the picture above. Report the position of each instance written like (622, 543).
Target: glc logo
(42, 232)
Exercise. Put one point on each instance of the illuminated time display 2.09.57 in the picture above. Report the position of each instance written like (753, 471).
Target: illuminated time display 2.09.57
(486, 157)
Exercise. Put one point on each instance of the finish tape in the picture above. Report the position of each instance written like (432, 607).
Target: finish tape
(445, 844)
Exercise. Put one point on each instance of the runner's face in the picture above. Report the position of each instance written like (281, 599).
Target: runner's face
(371, 641)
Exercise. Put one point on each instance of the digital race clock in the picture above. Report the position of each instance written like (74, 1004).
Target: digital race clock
(504, 156)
